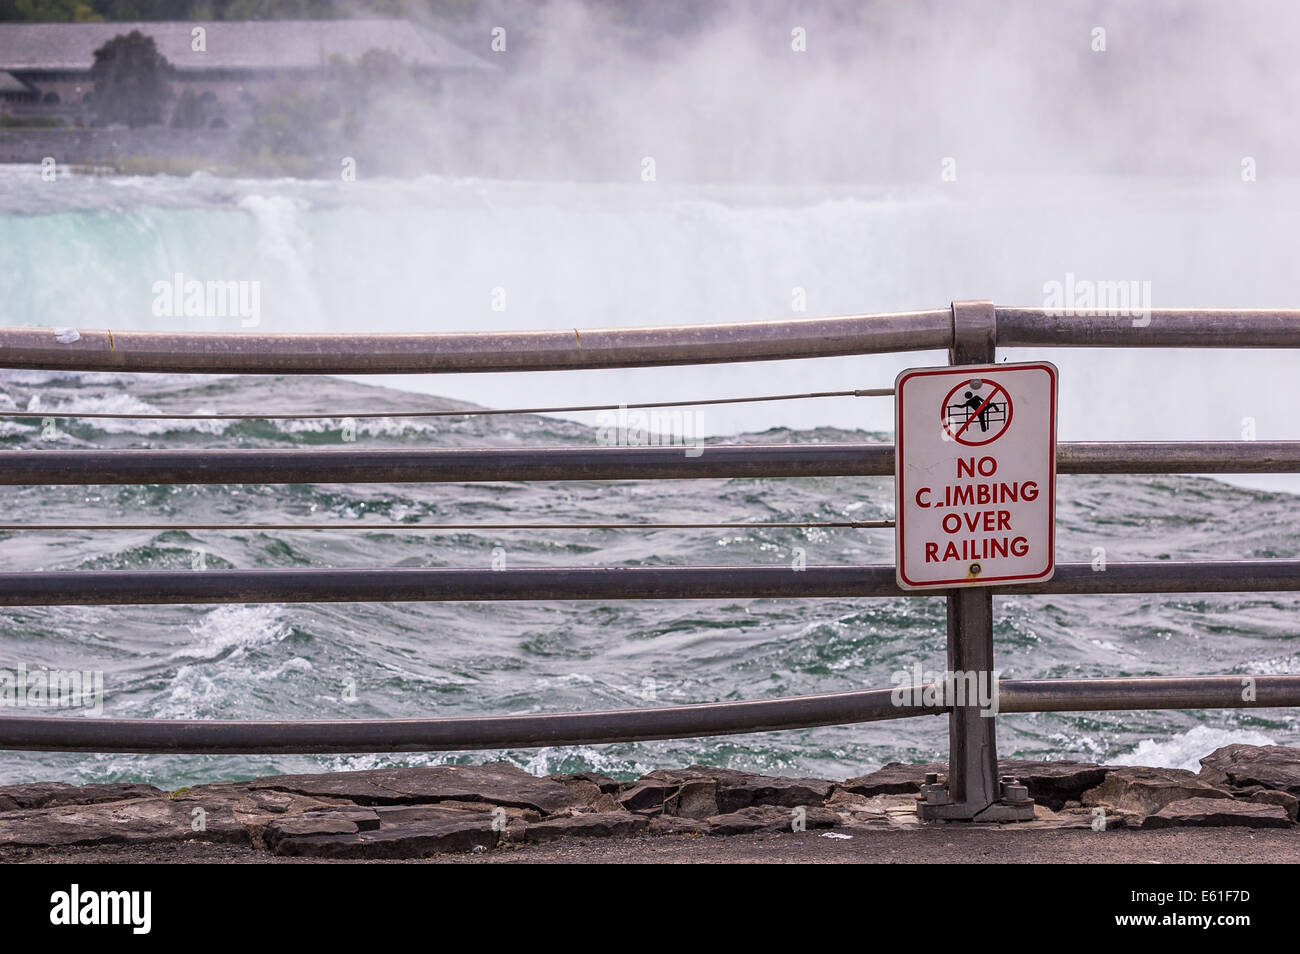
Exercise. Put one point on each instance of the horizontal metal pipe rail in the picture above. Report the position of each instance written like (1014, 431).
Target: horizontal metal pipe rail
(412, 584)
(621, 725)
(101, 350)
(406, 465)
(1168, 328)
(568, 349)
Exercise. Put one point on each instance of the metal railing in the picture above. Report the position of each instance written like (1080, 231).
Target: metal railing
(969, 331)
(570, 349)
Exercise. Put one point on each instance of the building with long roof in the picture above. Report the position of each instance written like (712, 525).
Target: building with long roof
(45, 67)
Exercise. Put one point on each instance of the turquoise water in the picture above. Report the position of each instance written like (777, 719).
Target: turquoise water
(427, 255)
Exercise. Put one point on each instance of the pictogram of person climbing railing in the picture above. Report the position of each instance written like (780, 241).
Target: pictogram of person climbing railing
(976, 407)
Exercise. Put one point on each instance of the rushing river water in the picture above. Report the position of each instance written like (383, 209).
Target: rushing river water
(450, 255)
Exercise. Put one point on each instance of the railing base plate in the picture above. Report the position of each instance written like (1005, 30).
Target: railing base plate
(936, 804)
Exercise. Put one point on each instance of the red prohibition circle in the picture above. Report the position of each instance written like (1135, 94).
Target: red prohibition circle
(957, 435)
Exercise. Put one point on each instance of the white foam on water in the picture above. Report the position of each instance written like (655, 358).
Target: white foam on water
(545, 761)
(240, 627)
(1186, 749)
(370, 427)
(202, 688)
(14, 429)
(284, 251)
(122, 402)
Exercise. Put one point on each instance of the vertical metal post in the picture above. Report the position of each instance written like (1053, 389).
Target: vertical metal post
(972, 740)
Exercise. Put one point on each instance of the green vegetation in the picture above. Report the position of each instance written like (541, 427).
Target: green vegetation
(159, 166)
(48, 11)
(33, 122)
(121, 10)
(130, 81)
(288, 131)
(375, 100)
(189, 113)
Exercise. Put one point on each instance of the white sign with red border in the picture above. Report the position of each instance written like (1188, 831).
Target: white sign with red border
(975, 471)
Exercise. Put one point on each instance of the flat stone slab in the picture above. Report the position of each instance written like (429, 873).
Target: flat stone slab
(339, 821)
(772, 790)
(874, 811)
(1272, 766)
(647, 795)
(416, 840)
(136, 821)
(672, 825)
(405, 814)
(695, 799)
(496, 784)
(770, 818)
(1218, 813)
(1135, 788)
(54, 794)
(602, 781)
(1269, 796)
(590, 792)
(894, 778)
(736, 790)
(1054, 783)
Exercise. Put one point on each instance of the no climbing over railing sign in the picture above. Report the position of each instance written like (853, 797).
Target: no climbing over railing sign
(975, 474)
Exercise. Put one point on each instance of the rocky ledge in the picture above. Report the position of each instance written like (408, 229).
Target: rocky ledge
(418, 812)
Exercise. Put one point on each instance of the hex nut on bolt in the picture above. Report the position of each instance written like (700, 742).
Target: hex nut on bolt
(1013, 790)
(934, 791)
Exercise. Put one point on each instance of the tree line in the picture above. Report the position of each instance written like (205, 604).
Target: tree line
(55, 11)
